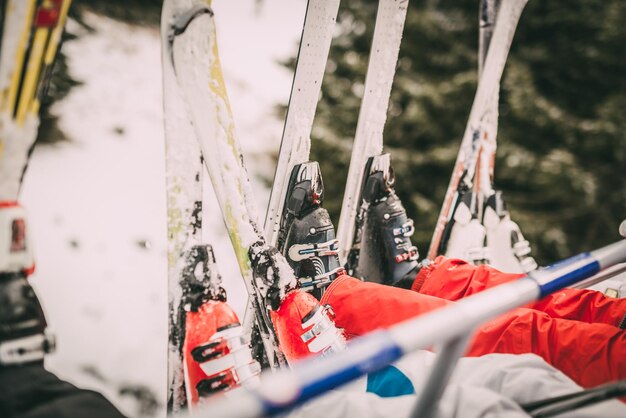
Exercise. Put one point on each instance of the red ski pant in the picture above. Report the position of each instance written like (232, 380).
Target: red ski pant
(591, 354)
(453, 279)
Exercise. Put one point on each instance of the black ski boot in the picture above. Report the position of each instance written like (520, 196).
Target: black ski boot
(24, 337)
(307, 235)
(384, 252)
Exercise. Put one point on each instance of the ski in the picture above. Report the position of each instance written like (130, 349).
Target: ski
(480, 229)
(183, 177)
(217, 356)
(368, 139)
(504, 245)
(465, 236)
(295, 223)
(30, 36)
(317, 33)
(479, 119)
(192, 50)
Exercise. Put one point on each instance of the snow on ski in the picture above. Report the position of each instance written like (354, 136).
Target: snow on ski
(31, 33)
(368, 140)
(183, 162)
(295, 147)
(193, 50)
(506, 22)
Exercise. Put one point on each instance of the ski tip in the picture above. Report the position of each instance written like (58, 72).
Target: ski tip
(622, 228)
(182, 21)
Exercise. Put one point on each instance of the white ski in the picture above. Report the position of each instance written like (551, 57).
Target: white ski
(193, 51)
(467, 237)
(183, 176)
(368, 140)
(506, 248)
(295, 146)
(481, 121)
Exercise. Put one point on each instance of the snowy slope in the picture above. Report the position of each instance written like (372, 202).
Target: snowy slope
(97, 202)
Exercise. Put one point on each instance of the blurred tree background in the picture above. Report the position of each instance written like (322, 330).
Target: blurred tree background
(562, 130)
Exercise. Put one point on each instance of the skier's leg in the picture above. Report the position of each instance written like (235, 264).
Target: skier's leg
(583, 305)
(361, 307)
(590, 354)
(453, 279)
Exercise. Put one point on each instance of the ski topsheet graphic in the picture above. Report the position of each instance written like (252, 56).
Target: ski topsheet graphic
(31, 33)
(192, 48)
(295, 146)
(368, 140)
(480, 115)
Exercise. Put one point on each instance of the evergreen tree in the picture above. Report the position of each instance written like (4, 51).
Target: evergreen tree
(561, 142)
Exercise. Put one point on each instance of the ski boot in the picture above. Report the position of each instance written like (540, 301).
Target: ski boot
(464, 236)
(383, 251)
(216, 351)
(303, 327)
(307, 235)
(510, 252)
(16, 253)
(24, 337)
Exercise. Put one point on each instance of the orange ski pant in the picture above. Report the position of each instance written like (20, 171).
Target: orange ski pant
(591, 354)
(453, 279)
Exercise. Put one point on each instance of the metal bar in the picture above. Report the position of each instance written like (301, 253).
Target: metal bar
(439, 376)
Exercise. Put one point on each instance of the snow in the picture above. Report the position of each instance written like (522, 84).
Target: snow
(15, 141)
(97, 202)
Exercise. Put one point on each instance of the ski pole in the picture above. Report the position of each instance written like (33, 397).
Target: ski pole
(309, 378)
(565, 403)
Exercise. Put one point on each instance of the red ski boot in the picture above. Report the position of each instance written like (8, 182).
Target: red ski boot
(304, 327)
(216, 352)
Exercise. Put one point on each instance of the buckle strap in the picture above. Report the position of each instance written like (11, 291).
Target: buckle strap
(299, 252)
(478, 255)
(406, 230)
(320, 280)
(410, 254)
(27, 349)
(324, 321)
